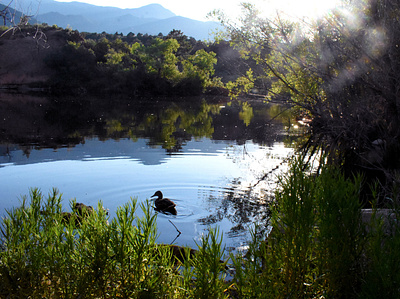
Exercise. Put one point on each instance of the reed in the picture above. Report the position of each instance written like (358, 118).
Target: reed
(282, 266)
(251, 279)
(318, 247)
(382, 279)
(341, 237)
(209, 267)
(44, 256)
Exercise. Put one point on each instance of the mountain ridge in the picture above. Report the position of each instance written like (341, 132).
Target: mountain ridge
(70, 8)
(151, 19)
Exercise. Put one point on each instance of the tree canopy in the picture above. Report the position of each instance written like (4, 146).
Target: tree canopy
(135, 64)
(341, 72)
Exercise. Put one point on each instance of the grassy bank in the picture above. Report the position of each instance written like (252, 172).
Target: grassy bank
(319, 247)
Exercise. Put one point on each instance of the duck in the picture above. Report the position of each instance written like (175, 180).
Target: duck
(164, 204)
(79, 212)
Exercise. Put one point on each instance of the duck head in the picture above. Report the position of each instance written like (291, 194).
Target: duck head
(158, 194)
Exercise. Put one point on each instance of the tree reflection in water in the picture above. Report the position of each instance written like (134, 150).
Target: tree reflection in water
(60, 122)
(241, 209)
(32, 123)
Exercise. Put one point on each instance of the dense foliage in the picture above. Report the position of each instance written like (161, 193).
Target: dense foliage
(140, 65)
(322, 245)
(342, 73)
(319, 247)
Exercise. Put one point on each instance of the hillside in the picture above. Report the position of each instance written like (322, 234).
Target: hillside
(42, 57)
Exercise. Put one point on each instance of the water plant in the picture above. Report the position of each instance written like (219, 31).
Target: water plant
(382, 279)
(44, 256)
(208, 266)
(319, 246)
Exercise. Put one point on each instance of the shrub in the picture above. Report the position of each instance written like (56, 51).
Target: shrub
(43, 256)
(319, 245)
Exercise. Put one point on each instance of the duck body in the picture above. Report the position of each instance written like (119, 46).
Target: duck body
(164, 204)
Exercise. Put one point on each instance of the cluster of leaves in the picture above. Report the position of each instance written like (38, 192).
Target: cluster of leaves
(341, 71)
(230, 64)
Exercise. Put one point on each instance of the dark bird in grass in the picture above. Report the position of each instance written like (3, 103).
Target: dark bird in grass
(82, 210)
(79, 212)
(164, 205)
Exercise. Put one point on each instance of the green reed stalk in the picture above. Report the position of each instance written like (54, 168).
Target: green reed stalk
(25, 272)
(250, 277)
(293, 221)
(143, 245)
(122, 229)
(341, 240)
(318, 242)
(93, 260)
(383, 274)
(208, 267)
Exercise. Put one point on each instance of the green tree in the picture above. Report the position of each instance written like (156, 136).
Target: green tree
(343, 72)
(101, 50)
(160, 58)
(201, 66)
(120, 55)
(185, 43)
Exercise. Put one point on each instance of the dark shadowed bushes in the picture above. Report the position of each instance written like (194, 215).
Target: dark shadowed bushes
(319, 246)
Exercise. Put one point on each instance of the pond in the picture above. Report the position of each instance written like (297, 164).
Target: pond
(216, 160)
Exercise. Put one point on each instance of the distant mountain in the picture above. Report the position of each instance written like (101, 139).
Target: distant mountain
(75, 21)
(190, 27)
(151, 19)
(78, 8)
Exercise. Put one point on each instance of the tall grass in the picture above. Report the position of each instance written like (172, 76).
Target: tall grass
(208, 267)
(319, 247)
(383, 272)
(42, 256)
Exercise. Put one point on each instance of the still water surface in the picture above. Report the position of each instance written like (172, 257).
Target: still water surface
(208, 158)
